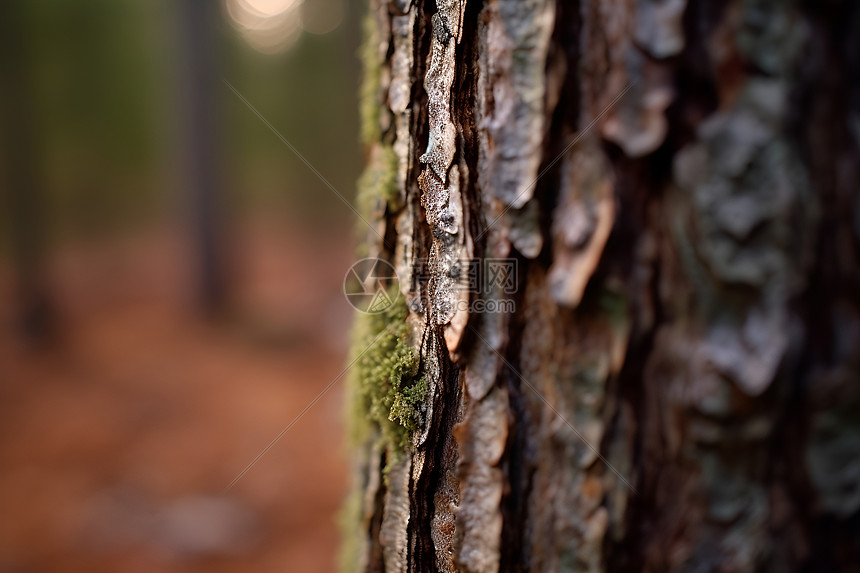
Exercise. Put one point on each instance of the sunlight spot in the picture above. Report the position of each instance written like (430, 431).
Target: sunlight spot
(269, 26)
(268, 7)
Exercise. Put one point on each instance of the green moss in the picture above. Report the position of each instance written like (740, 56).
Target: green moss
(369, 104)
(376, 188)
(378, 183)
(386, 391)
(348, 519)
(407, 404)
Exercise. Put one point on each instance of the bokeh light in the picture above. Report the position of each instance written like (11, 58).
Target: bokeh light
(270, 26)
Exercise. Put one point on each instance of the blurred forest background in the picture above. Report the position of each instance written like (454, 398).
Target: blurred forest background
(170, 281)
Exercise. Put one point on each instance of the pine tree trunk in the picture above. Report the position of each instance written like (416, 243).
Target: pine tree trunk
(675, 185)
(22, 186)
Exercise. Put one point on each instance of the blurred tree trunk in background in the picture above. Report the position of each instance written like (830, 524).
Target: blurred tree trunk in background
(679, 387)
(200, 84)
(21, 179)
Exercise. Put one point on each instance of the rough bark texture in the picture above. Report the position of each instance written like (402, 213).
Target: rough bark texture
(679, 386)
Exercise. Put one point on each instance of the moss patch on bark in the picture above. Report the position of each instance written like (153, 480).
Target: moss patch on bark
(387, 391)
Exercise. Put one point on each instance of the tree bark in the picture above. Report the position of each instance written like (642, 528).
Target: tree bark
(678, 388)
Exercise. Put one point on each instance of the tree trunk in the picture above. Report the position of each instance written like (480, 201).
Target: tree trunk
(201, 150)
(21, 178)
(667, 192)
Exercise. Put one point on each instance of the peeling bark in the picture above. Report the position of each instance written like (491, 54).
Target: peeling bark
(678, 388)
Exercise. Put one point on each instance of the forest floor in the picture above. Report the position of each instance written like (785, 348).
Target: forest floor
(118, 438)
